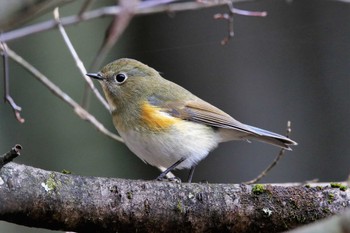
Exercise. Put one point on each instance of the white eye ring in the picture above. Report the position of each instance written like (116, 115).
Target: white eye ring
(120, 78)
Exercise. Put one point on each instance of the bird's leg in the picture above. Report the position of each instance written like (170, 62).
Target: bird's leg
(169, 169)
(190, 175)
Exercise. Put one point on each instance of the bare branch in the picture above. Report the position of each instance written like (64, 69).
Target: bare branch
(86, 5)
(15, 14)
(78, 62)
(229, 18)
(147, 7)
(276, 160)
(114, 31)
(82, 113)
(7, 97)
(9, 156)
(93, 204)
(116, 28)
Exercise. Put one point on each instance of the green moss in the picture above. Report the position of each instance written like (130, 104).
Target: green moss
(51, 184)
(129, 195)
(335, 185)
(330, 198)
(179, 206)
(307, 186)
(326, 210)
(64, 171)
(339, 185)
(258, 189)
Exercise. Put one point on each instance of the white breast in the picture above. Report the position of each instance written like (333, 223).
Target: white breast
(188, 140)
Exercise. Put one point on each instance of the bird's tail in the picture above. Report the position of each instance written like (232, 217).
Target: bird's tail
(271, 138)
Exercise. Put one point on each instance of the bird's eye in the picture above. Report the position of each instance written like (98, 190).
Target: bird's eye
(120, 78)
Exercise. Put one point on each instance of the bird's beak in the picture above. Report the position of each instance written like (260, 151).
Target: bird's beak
(97, 76)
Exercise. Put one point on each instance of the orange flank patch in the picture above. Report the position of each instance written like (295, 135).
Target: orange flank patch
(155, 119)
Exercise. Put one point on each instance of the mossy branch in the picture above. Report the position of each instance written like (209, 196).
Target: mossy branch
(52, 200)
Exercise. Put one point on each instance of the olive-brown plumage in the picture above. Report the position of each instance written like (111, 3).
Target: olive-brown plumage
(164, 124)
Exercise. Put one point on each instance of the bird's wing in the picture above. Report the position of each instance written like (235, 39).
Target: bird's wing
(205, 113)
(200, 111)
(197, 110)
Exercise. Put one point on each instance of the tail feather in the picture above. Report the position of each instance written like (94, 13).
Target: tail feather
(271, 138)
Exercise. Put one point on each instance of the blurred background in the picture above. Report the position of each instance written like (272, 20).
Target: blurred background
(291, 65)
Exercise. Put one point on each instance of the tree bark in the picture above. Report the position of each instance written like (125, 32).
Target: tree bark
(38, 198)
(335, 224)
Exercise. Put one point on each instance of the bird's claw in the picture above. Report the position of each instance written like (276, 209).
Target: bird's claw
(172, 179)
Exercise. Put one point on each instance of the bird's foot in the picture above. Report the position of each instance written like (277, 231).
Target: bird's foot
(171, 179)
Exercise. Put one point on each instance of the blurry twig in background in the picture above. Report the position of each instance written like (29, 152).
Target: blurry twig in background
(123, 14)
(274, 163)
(78, 62)
(16, 13)
(114, 31)
(82, 113)
(146, 7)
(86, 5)
(229, 17)
(7, 97)
(151, 7)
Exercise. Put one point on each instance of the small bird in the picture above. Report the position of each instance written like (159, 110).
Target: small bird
(164, 124)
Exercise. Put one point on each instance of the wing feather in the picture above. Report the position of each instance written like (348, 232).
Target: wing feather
(197, 110)
(200, 111)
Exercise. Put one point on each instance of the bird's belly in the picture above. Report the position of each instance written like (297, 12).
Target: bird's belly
(186, 139)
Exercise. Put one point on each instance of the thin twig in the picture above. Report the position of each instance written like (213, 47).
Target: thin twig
(7, 97)
(274, 163)
(229, 17)
(146, 7)
(114, 31)
(82, 113)
(86, 5)
(11, 155)
(78, 62)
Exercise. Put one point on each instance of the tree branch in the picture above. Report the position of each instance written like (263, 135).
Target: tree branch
(10, 155)
(274, 162)
(78, 61)
(147, 7)
(336, 224)
(38, 198)
(82, 113)
(114, 31)
(7, 97)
